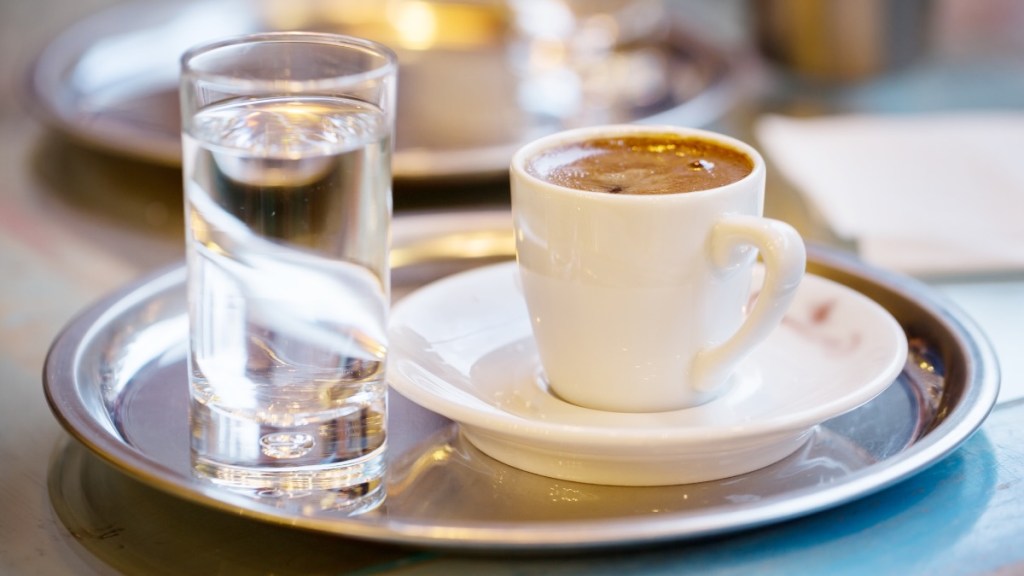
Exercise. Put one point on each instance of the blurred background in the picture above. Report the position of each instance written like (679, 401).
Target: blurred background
(89, 104)
(891, 129)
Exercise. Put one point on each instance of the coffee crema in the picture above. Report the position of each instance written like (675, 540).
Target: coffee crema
(641, 164)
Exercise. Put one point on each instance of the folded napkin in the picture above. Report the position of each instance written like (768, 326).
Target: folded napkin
(928, 194)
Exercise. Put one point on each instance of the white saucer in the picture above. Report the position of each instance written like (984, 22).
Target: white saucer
(462, 347)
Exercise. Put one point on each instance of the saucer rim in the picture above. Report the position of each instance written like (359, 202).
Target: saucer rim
(519, 427)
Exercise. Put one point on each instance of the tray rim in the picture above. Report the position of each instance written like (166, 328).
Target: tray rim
(965, 417)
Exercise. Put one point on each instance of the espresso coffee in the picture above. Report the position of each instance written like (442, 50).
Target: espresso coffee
(641, 164)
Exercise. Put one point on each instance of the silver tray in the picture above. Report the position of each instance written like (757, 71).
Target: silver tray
(115, 378)
(110, 81)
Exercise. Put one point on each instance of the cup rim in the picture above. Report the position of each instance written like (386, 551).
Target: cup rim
(518, 164)
(388, 67)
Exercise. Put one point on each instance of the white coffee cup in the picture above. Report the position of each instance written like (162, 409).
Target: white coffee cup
(637, 302)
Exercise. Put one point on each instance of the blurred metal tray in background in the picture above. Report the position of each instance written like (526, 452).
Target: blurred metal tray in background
(116, 380)
(110, 80)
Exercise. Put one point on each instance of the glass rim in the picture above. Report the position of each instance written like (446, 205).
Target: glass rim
(389, 67)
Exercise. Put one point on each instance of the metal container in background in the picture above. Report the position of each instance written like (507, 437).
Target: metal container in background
(840, 40)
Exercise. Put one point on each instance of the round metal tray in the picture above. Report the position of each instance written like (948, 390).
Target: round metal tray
(111, 80)
(115, 378)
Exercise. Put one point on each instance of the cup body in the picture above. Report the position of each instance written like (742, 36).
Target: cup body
(287, 142)
(627, 293)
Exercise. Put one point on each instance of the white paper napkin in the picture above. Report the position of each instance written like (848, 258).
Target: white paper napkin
(928, 194)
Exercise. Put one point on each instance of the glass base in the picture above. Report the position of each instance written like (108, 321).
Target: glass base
(331, 460)
(349, 487)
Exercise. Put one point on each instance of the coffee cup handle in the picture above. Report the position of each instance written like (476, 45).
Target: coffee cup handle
(785, 258)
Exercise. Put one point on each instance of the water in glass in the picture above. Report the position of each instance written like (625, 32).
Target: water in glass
(288, 345)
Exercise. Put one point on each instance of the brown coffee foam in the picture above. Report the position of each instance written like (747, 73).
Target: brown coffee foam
(641, 164)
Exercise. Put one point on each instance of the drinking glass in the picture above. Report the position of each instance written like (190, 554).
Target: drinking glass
(287, 142)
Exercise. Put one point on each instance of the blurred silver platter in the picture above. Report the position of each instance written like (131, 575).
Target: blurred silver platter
(116, 380)
(110, 80)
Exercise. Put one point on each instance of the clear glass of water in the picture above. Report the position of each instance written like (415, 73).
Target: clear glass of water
(287, 143)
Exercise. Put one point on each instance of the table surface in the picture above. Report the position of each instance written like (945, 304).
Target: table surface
(76, 224)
